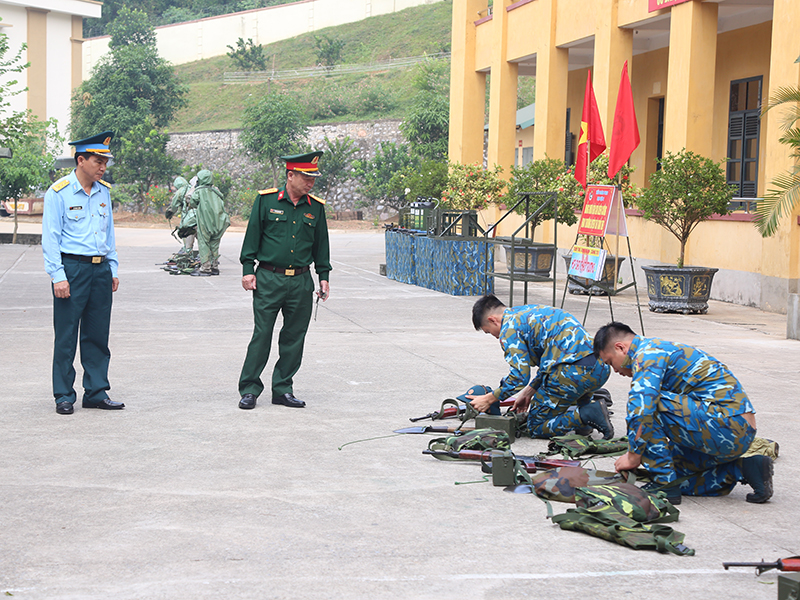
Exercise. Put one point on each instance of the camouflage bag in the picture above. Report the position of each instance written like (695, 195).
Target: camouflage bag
(626, 515)
(573, 445)
(478, 439)
(560, 485)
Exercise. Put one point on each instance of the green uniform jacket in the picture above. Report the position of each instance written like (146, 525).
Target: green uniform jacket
(286, 236)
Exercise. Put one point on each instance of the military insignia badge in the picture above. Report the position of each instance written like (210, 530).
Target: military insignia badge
(102, 205)
(276, 211)
(308, 216)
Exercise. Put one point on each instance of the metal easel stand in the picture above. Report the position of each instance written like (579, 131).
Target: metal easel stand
(609, 290)
(522, 242)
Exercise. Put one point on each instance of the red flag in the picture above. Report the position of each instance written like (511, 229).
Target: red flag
(625, 134)
(591, 142)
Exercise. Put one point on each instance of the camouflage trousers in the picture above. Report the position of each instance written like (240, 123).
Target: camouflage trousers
(553, 409)
(699, 449)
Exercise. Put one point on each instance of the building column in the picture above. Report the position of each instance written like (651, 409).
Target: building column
(502, 94)
(780, 254)
(689, 111)
(76, 40)
(467, 87)
(37, 57)
(552, 78)
(612, 47)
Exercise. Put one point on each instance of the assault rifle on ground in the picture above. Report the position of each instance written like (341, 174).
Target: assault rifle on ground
(531, 463)
(452, 411)
(435, 429)
(782, 564)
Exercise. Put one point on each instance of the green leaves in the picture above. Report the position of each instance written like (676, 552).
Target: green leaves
(248, 55)
(273, 126)
(784, 194)
(472, 187)
(688, 189)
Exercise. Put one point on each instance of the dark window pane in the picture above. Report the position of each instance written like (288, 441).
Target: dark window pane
(753, 95)
(733, 171)
(736, 149)
(735, 96)
(750, 170)
(752, 148)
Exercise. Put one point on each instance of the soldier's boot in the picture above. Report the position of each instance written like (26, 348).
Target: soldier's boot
(672, 492)
(604, 395)
(595, 414)
(757, 472)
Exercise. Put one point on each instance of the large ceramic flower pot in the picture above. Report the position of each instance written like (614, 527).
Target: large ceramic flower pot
(673, 289)
(607, 279)
(534, 258)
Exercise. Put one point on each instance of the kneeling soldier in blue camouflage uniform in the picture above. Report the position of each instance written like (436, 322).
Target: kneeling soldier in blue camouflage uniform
(689, 419)
(560, 396)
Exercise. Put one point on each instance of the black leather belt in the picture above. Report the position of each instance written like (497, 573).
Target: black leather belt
(90, 259)
(283, 271)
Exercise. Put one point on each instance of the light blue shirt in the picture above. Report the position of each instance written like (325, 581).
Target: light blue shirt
(77, 223)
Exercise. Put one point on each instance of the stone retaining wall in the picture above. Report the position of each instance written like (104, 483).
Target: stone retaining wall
(218, 150)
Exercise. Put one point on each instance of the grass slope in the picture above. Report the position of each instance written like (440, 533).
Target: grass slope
(412, 32)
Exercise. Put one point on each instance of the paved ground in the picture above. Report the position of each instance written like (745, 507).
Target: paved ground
(183, 495)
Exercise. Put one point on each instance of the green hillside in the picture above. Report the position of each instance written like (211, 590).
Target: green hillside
(378, 95)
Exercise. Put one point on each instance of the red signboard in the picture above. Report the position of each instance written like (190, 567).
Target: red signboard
(596, 208)
(659, 4)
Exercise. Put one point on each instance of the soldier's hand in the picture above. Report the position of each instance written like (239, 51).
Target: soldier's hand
(249, 282)
(114, 284)
(324, 290)
(627, 462)
(482, 403)
(61, 289)
(168, 214)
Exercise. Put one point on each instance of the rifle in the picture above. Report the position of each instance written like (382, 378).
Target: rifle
(452, 411)
(435, 429)
(782, 564)
(531, 463)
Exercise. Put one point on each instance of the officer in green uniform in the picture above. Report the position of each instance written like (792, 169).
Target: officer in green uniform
(287, 232)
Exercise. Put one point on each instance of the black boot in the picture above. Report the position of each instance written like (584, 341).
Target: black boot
(757, 472)
(595, 413)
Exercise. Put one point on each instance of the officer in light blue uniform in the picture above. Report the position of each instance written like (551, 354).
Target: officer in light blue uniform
(80, 257)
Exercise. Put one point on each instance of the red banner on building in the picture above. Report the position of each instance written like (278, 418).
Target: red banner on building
(659, 4)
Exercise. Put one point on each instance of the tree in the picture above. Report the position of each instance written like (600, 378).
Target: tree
(335, 165)
(273, 126)
(328, 51)
(427, 124)
(13, 125)
(29, 169)
(142, 158)
(248, 55)
(423, 180)
(376, 174)
(131, 85)
(687, 190)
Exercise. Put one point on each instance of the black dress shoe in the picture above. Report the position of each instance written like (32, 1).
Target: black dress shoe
(105, 404)
(200, 274)
(288, 400)
(247, 402)
(65, 408)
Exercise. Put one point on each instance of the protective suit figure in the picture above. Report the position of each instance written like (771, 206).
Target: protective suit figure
(212, 221)
(187, 228)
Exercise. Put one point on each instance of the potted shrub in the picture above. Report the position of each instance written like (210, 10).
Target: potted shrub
(544, 175)
(470, 188)
(687, 190)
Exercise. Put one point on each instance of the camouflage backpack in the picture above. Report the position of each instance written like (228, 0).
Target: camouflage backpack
(478, 439)
(626, 515)
(573, 445)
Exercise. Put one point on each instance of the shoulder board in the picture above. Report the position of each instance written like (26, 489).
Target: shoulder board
(269, 191)
(320, 200)
(60, 184)
(105, 183)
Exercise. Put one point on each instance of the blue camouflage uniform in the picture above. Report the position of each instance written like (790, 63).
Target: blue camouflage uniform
(79, 246)
(555, 342)
(689, 407)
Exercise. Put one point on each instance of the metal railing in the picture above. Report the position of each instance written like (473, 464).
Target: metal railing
(321, 71)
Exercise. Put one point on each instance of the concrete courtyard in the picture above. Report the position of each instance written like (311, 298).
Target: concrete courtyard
(184, 496)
